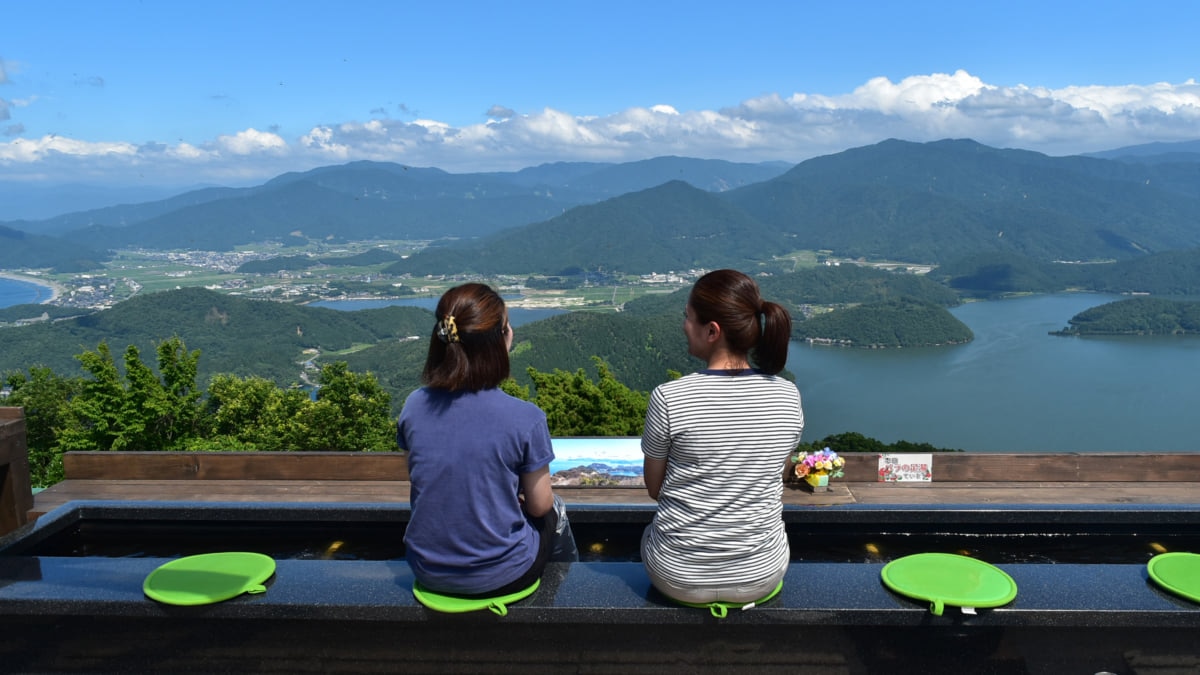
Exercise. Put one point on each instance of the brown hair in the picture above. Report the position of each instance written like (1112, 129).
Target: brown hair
(467, 349)
(752, 326)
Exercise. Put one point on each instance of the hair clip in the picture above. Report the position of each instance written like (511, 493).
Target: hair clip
(447, 330)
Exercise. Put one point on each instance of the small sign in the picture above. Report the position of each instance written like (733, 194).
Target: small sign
(906, 468)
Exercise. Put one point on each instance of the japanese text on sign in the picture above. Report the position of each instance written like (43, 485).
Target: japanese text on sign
(906, 468)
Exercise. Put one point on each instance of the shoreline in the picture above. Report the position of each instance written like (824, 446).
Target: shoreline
(55, 289)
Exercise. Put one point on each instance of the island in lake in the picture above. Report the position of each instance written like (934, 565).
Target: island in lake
(1137, 316)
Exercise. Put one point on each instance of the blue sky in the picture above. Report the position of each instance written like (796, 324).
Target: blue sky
(182, 93)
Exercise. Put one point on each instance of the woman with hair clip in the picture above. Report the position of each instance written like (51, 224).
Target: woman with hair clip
(483, 514)
(715, 445)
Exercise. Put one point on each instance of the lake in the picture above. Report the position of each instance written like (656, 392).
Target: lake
(1015, 388)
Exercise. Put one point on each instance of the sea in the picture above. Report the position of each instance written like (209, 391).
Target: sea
(17, 292)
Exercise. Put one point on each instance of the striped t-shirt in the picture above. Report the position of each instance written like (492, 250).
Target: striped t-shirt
(726, 438)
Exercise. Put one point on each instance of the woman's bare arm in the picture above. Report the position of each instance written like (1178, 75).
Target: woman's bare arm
(653, 472)
(539, 498)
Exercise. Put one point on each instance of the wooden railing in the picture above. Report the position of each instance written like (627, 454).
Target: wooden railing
(989, 467)
(860, 467)
(16, 495)
(386, 466)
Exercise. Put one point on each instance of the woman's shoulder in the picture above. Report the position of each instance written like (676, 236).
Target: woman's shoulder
(416, 396)
(679, 383)
(712, 383)
(501, 398)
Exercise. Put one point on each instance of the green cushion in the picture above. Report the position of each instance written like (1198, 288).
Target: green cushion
(720, 609)
(1177, 572)
(208, 578)
(453, 604)
(949, 579)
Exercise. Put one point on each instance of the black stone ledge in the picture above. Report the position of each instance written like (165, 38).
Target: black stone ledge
(818, 594)
(398, 512)
(599, 593)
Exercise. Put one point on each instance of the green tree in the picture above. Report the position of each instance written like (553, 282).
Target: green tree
(161, 413)
(251, 413)
(94, 415)
(852, 441)
(45, 398)
(352, 413)
(141, 411)
(577, 406)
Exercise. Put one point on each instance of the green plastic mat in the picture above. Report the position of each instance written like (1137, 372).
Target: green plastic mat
(209, 577)
(948, 579)
(1177, 572)
(453, 604)
(721, 609)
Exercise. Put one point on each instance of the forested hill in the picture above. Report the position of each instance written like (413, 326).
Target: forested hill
(842, 284)
(20, 250)
(940, 201)
(1168, 273)
(1137, 316)
(889, 323)
(234, 335)
(670, 227)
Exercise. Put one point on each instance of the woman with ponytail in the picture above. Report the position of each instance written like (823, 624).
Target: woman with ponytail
(483, 515)
(715, 444)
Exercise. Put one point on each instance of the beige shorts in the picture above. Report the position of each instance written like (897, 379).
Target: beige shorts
(748, 592)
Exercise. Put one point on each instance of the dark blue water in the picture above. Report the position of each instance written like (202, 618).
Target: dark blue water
(1015, 388)
(13, 292)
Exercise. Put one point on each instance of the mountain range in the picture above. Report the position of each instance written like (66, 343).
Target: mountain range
(916, 202)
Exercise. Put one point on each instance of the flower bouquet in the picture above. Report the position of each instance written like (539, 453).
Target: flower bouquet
(816, 468)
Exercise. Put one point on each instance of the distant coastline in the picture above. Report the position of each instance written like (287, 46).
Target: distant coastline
(55, 289)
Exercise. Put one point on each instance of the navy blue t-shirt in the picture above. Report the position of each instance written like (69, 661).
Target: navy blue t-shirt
(466, 453)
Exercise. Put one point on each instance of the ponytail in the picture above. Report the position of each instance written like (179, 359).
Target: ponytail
(771, 352)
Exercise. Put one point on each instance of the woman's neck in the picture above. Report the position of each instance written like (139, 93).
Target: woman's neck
(724, 359)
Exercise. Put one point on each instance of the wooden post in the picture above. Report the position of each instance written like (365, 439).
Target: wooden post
(16, 494)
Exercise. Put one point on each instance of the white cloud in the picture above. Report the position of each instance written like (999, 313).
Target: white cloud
(790, 127)
(252, 141)
(917, 95)
(24, 150)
